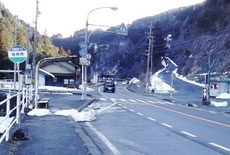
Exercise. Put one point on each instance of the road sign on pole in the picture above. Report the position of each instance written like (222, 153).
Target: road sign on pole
(17, 54)
(83, 53)
(122, 30)
(84, 62)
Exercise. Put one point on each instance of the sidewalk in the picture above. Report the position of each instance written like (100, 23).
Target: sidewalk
(50, 134)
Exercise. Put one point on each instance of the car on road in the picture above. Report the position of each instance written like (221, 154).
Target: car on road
(109, 87)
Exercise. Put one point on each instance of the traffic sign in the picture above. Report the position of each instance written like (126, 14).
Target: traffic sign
(17, 54)
(84, 61)
(83, 53)
(88, 56)
(122, 30)
(83, 45)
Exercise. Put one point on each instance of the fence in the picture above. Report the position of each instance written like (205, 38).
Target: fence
(23, 98)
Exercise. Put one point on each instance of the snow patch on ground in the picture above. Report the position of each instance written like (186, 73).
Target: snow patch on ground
(223, 96)
(39, 112)
(186, 80)
(78, 116)
(158, 85)
(55, 88)
(134, 80)
(219, 104)
(5, 124)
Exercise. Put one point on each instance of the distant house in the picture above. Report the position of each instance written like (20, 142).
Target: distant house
(219, 85)
(59, 74)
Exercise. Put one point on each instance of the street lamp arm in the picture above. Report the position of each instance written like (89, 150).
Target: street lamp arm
(113, 8)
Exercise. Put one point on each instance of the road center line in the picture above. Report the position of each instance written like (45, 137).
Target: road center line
(152, 119)
(103, 99)
(221, 147)
(192, 116)
(104, 139)
(140, 114)
(188, 134)
(167, 125)
(123, 100)
(131, 110)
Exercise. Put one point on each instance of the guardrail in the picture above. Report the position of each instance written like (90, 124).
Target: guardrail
(24, 97)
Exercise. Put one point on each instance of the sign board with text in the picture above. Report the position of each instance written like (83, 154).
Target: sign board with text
(17, 54)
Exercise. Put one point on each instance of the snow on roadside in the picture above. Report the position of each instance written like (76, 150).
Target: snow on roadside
(4, 125)
(219, 104)
(79, 116)
(55, 88)
(181, 77)
(134, 80)
(158, 85)
(39, 112)
(223, 96)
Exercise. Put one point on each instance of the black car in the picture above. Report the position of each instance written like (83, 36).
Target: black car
(109, 87)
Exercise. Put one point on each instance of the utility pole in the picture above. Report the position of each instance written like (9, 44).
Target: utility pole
(15, 43)
(150, 37)
(35, 43)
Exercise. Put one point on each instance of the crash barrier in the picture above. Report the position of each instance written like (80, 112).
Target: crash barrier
(23, 99)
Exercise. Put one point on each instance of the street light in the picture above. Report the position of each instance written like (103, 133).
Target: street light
(84, 67)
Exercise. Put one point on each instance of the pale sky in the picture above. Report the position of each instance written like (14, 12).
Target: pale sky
(67, 16)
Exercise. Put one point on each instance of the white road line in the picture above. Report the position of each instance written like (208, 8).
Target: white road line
(167, 125)
(188, 134)
(213, 112)
(119, 104)
(104, 139)
(100, 110)
(152, 102)
(113, 99)
(103, 99)
(132, 100)
(131, 110)
(140, 101)
(122, 99)
(221, 147)
(125, 107)
(140, 114)
(152, 119)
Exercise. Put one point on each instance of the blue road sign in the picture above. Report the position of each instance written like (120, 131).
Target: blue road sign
(83, 45)
(83, 53)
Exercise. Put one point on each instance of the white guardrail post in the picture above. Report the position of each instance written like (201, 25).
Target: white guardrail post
(18, 108)
(23, 99)
(7, 113)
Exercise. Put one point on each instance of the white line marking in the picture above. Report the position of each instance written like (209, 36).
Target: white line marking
(100, 110)
(140, 114)
(213, 112)
(132, 100)
(188, 134)
(103, 138)
(113, 99)
(219, 146)
(152, 119)
(125, 107)
(167, 125)
(131, 110)
(122, 99)
(152, 102)
(140, 101)
(103, 99)
(119, 104)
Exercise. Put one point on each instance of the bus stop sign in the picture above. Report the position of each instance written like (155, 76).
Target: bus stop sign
(17, 54)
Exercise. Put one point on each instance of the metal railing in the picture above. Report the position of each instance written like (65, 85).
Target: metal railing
(23, 98)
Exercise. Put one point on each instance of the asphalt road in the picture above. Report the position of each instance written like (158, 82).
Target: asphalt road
(130, 123)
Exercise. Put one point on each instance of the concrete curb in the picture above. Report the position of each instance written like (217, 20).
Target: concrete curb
(88, 102)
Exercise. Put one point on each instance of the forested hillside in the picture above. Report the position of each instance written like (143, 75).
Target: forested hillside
(195, 31)
(44, 45)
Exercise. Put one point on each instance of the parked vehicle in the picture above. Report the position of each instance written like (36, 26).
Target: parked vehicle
(109, 87)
